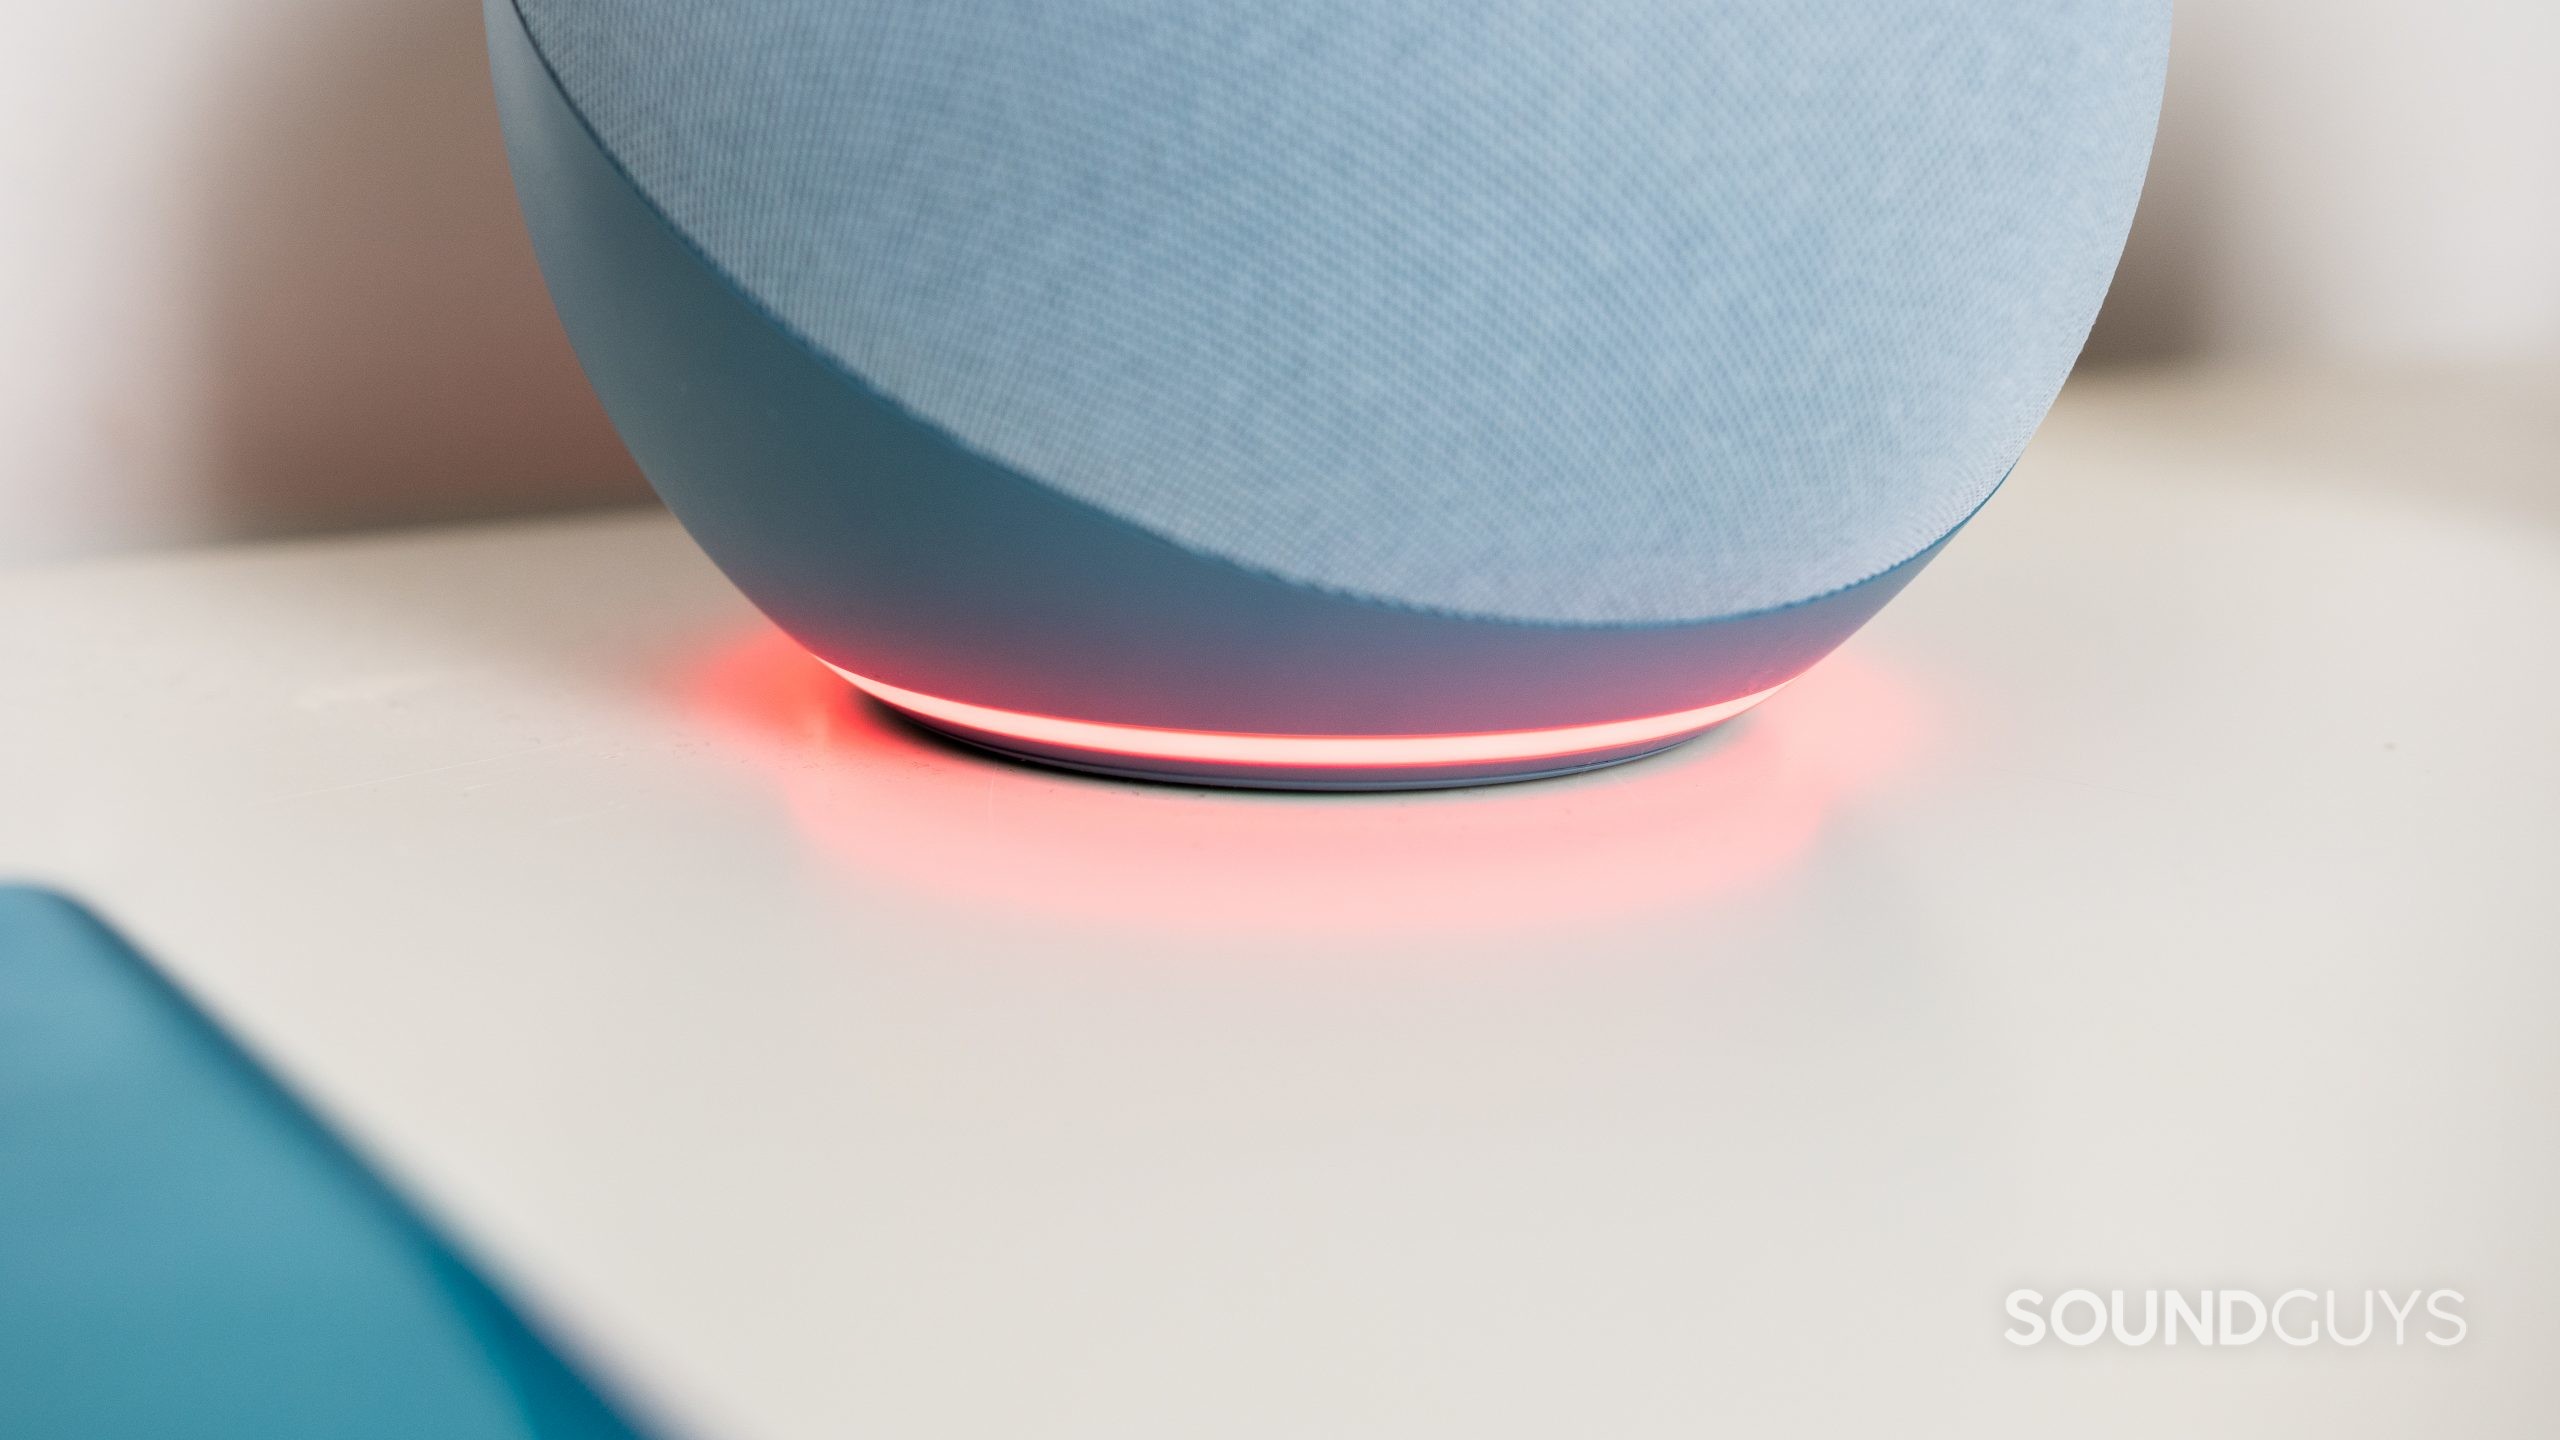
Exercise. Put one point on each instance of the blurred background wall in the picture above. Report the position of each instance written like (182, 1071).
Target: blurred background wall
(266, 276)
(2357, 182)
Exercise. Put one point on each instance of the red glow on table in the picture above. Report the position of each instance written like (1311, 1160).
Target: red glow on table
(1723, 818)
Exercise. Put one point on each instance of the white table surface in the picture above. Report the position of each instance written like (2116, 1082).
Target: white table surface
(2161, 893)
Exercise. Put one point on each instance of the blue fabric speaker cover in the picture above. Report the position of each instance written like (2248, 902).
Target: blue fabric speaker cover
(1609, 311)
(1327, 367)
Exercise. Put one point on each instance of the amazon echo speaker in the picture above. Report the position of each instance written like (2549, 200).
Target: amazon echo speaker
(1326, 393)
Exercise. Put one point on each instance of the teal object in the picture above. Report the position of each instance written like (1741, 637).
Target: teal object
(186, 1253)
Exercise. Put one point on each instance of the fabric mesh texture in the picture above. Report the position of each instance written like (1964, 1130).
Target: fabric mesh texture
(1605, 311)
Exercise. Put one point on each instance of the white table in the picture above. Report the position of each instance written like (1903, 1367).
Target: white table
(2161, 893)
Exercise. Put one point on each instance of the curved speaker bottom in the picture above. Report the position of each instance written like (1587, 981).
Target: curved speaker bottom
(1300, 761)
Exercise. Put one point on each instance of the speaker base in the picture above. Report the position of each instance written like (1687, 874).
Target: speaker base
(1300, 762)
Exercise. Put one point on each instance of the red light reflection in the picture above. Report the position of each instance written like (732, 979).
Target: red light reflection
(1729, 813)
(1345, 753)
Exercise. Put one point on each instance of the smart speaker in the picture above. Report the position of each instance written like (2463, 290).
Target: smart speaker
(1326, 393)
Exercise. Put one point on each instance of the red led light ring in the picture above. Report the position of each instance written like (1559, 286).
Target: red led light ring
(1345, 752)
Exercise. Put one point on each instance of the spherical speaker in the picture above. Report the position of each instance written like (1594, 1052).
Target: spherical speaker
(1326, 393)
